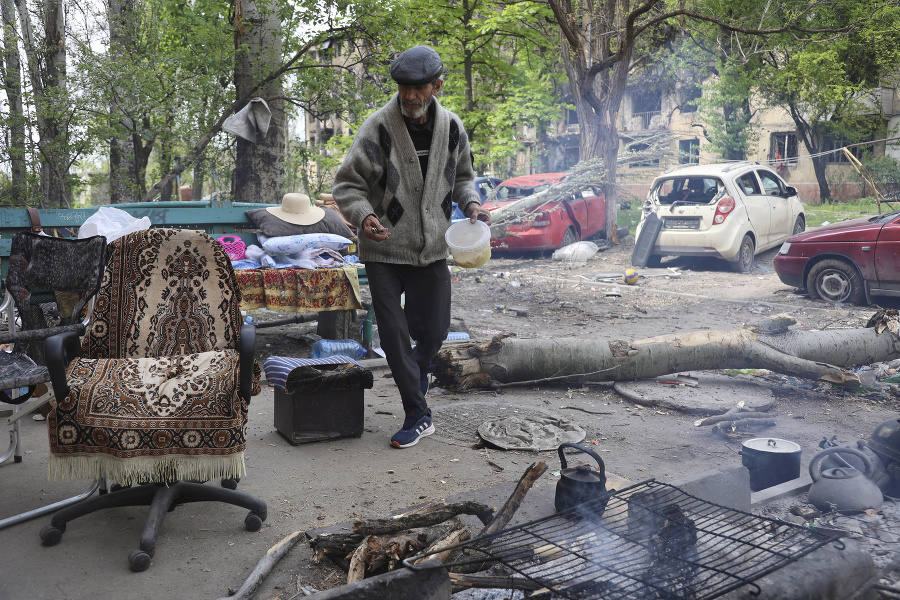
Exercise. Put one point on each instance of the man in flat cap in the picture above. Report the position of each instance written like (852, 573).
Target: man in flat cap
(410, 161)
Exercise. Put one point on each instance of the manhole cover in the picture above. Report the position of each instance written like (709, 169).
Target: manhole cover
(459, 422)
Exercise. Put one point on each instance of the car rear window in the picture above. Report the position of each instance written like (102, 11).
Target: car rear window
(688, 190)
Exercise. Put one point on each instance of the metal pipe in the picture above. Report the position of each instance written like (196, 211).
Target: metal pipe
(37, 512)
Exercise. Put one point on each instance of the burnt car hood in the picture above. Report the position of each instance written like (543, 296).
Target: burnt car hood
(853, 230)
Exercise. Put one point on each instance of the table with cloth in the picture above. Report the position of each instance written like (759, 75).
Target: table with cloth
(300, 290)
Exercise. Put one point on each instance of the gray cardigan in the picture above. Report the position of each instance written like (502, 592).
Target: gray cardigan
(381, 176)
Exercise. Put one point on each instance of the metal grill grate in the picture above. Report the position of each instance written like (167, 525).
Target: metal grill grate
(460, 420)
(651, 541)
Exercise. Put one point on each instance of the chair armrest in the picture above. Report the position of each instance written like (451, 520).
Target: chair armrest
(31, 335)
(60, 350)
(246, 352)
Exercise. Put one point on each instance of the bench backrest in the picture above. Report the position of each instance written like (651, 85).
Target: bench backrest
(214, 217)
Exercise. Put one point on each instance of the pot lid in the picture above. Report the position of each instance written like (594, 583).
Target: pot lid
(772, 445)
(584, 473)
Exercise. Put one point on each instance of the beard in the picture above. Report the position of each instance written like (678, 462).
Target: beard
(415, 110)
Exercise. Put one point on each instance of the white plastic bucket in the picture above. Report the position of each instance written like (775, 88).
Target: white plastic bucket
(470, 243)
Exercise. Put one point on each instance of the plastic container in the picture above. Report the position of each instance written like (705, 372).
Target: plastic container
(455, 336)
(350, 348)
(470, 243)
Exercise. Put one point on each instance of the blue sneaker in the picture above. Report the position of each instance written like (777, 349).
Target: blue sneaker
(414, 427)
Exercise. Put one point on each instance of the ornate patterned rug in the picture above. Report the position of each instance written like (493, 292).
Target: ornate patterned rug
(155, 396)
(299, 290)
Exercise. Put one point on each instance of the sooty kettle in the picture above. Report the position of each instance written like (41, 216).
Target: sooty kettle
(581, 484)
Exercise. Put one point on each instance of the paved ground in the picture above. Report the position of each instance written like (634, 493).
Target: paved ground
(204, 550)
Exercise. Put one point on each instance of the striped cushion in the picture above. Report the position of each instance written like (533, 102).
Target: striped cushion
(277, 368)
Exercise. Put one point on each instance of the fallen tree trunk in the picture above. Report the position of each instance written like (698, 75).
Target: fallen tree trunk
(807, 354)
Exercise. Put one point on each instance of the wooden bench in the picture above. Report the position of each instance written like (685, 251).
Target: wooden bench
(215, 217)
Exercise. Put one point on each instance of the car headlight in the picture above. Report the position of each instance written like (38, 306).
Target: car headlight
(785, 248)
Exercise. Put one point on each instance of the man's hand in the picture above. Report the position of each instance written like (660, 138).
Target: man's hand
(476, 212)
(373, 230)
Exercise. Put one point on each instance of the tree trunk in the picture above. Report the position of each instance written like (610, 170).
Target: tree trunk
(12, 85)
(259, 168)
(807, 135)
(819, 164)
(54, 169)
(809, 354)
(54, 137)
(124, 183)
(598, 78)
(199, 179)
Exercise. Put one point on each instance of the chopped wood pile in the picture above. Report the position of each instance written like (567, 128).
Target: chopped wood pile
(378, 545)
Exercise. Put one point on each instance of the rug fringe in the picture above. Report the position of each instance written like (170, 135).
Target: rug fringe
(132, 471)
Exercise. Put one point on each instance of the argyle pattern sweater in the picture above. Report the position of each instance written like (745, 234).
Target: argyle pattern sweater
(381, 176)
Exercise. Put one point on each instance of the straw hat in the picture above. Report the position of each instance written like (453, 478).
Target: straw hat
(297, 209)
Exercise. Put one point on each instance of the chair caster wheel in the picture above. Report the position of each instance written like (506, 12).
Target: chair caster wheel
(139, 560)
(253, 522)
(230, 484)
(50, 535)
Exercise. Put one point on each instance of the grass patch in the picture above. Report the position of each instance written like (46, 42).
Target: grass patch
(631, 216)
(816, 214)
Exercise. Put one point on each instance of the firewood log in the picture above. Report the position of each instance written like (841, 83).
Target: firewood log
(424, 516)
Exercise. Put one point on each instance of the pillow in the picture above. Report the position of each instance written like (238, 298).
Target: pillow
(294, 244)
(272, 226)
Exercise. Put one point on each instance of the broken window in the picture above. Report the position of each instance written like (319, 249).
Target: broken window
(833, 144)
(785, 150)
(689, 151)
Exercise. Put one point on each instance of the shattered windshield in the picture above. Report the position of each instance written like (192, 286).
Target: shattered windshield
(508, 192)
(885, 217)
(688, 190)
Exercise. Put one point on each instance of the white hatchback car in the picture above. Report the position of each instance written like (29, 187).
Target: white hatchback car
(731, 211)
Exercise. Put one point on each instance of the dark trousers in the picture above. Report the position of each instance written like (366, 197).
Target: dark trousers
(425, 318)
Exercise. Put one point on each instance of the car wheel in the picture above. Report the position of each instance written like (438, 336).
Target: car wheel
(569, 237)
(654, 262)
(835, 281)
(745, 256)
(799, 225)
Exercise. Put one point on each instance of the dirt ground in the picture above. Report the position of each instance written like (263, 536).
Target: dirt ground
(203, 550)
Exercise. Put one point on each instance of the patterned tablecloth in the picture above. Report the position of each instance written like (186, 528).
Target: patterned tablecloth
(300, 290)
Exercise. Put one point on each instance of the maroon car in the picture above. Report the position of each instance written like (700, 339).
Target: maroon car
(850, 261)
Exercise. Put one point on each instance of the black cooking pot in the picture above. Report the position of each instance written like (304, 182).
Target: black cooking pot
(885, 440)
(770, 461)
(581, 484)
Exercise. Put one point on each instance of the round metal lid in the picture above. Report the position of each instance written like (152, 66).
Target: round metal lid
(772, 445)
(584, 474)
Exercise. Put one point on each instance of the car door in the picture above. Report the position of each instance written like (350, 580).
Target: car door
(757, 205)
(781, 222)
(887, 255)
(577, 208)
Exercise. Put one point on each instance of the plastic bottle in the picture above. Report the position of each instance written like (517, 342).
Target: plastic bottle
(350, 348)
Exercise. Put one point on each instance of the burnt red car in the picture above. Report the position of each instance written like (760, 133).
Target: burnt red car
(850, 261)
(548, 225)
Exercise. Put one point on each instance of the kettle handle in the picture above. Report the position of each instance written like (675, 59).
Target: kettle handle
(815, 469)
(562, 457)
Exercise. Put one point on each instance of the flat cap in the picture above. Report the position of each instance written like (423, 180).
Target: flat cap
(417, 66)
